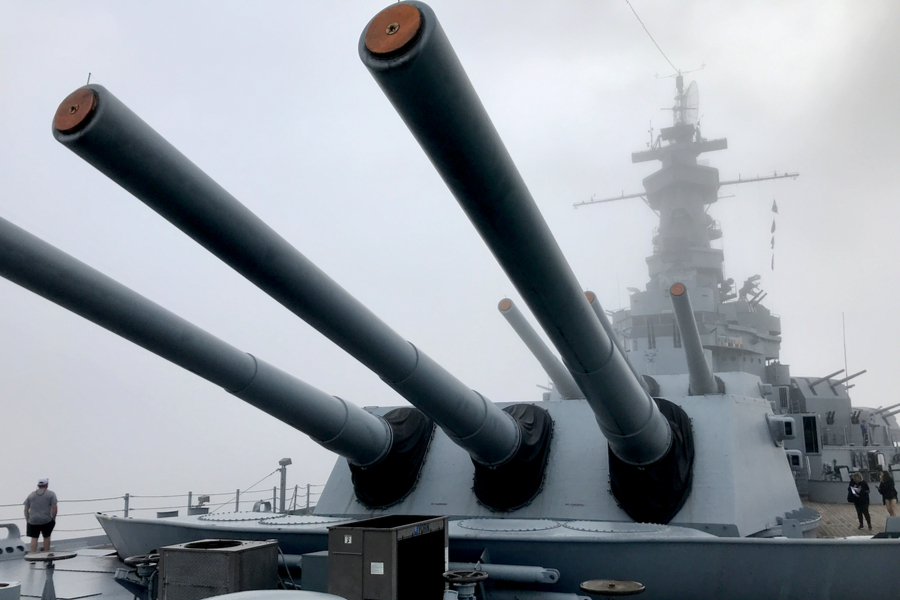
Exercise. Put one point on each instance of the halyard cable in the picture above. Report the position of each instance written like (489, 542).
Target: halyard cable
(628, 2)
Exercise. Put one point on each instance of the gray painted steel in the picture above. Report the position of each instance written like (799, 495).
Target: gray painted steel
(744, 480)
(673, 563)
(701, 377)
(608, 328)
(126, 149)
(339, 426)
(432, 93)
(560, 376)
(520, 573)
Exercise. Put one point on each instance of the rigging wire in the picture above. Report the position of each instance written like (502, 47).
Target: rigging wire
(628, 2)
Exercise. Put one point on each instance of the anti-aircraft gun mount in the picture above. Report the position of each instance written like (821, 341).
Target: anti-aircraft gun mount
(525, 483)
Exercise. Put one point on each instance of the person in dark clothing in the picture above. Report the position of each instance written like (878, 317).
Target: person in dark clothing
(858, 493)
(888, 493)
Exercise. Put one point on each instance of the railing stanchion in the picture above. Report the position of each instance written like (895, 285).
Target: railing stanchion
(237, 500)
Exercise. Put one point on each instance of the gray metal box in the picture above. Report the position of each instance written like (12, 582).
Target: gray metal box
(207, 568)
(397, 557)
(315, 572)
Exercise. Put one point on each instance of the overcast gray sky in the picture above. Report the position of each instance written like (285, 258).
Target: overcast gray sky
(271, 100)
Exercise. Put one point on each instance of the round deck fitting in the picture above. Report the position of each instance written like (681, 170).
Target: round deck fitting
(510, 525)
(463, 577)
(49, 556)
(142, 559)
(612, 587)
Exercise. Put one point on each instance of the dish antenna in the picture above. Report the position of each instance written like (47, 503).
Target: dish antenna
(691, 110)
(687, 103)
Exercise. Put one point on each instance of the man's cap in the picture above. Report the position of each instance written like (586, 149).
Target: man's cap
(43, 481)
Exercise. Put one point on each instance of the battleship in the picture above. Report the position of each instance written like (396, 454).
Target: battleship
(623, 467)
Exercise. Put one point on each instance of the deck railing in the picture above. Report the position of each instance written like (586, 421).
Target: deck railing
(76, 518)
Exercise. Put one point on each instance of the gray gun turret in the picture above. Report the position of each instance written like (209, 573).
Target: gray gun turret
(94, 124)
(555, 370)
(410, 57)
(702, 380)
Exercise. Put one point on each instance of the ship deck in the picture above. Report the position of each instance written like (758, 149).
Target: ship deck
(90, 574)
(839, 520)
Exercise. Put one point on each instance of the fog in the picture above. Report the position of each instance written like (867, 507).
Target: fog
(272, 101)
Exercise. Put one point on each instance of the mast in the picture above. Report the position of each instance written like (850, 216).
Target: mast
(736, 331)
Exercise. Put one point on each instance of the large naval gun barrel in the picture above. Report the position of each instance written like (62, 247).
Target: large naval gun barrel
(848, 378)
(816, 382)
(94, 124)
(886, 409)
(555, 370)
(608, 328)
(509, 446)
(701, 378)
(411, 59)
(363, 438)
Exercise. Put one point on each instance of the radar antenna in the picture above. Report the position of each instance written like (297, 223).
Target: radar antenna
(687, 102)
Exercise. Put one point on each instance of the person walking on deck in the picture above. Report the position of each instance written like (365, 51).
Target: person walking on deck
(888, 492)
(40, 514)
(858, 494)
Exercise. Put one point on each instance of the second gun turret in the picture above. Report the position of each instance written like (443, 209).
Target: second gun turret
(702, 380)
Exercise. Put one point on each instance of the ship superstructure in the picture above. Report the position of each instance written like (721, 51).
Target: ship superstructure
(738, 332)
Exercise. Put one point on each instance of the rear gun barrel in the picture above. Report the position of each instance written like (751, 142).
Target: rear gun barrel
(561, 378)
(608, 328)
(411, 59)
(364, 439)
(848, 378)
(94, 124)
(701, 378)
(813, 384)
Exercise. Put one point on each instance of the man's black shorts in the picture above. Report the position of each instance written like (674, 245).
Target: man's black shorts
(35, 530)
